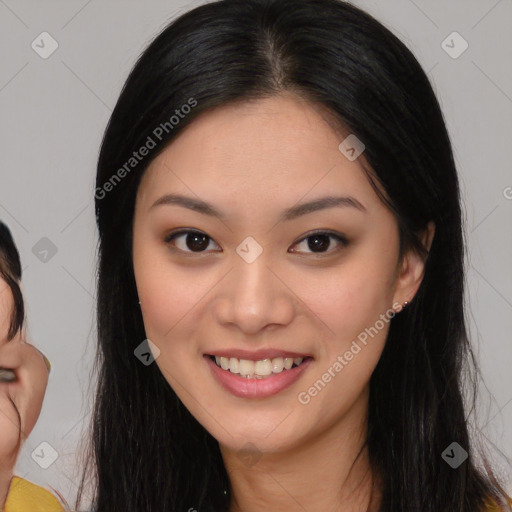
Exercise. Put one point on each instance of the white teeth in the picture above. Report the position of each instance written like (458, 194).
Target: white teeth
(277, 365)
(234, 365)
(263, 367)
(246, 367)
(257, 369)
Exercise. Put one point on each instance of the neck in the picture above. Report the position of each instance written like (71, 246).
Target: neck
(329, 471)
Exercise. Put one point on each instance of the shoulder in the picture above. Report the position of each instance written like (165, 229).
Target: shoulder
(25, 496)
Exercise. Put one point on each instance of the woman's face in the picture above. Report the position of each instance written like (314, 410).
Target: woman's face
(255, 285)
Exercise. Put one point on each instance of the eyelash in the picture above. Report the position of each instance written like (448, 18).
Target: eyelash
(338, 237)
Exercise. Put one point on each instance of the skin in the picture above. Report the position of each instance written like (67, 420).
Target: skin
(251, 161)
(22, 398)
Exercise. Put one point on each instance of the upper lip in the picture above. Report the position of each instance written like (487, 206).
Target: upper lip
(256, 355)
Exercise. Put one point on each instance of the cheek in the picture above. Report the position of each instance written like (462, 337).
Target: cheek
(349, 354)
(165, 299)
(157, 302)
(348, 299)
(348, 303)
(170, 295)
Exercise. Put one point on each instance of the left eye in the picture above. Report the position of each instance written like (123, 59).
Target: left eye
(319, 241)
(195, 241)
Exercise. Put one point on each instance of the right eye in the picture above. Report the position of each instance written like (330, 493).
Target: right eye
(188, 241)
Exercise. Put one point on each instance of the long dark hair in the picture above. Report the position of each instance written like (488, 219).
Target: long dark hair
(10, 272)
(147, 452)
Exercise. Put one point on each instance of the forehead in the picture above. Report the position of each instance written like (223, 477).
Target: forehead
(258, 154)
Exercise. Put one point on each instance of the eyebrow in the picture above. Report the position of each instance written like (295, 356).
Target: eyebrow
(291, 213)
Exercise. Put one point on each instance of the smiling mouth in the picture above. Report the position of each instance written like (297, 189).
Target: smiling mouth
(262, 369)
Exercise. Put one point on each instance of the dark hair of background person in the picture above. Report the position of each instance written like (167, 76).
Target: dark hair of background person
(10, 272)
(146, 451)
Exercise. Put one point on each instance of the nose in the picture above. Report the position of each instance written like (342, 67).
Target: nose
(253, 297)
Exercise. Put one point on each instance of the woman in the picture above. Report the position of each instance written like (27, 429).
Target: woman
(23, 378)
(280, 289)
(234, 117)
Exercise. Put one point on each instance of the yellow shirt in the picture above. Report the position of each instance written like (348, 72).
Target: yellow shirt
(493, 507)
(24, 496)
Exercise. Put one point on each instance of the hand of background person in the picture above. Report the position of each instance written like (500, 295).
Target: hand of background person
(20, 401)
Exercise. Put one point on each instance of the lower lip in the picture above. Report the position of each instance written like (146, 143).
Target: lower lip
(256, 388)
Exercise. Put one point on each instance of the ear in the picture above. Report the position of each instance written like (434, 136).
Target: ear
(412, 269)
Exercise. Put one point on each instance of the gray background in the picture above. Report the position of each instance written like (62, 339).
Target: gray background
(54, 111)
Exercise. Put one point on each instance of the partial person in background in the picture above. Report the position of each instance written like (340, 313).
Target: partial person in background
(24, 374)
